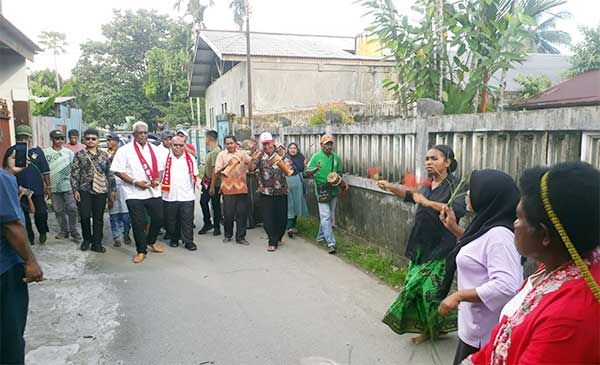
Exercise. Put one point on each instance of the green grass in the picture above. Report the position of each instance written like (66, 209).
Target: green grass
(365, 257)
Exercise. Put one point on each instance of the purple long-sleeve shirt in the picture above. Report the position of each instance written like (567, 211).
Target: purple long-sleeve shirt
(492, 266)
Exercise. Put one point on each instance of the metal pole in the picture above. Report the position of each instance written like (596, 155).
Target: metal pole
(249, 67)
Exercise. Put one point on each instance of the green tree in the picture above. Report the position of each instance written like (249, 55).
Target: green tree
(42, 83)
(532, 85)
(194, 8)
(586, 54)
(56, 42)
(112, 76)
(544, 35)
(239, 12)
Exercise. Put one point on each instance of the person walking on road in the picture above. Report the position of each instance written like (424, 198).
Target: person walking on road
(233, 165)
(321, 165)
(18, 267)
(211, 187)
(120, 224)
(60, 161)
(179, 195)
(296, 202)
(140, 166)
(93, 183)
(35, 178)
(273, 190)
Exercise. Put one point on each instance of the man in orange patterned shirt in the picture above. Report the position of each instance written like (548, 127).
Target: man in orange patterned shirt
(232, 164)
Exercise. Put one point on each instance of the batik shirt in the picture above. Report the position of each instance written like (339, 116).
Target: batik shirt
(271, 179)
(82, 171)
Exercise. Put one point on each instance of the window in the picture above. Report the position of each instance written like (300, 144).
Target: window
(242, 110)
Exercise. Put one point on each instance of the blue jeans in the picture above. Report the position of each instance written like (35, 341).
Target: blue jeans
(120, 225)
(326, 212)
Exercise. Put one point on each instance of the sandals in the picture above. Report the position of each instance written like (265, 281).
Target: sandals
(271, 248)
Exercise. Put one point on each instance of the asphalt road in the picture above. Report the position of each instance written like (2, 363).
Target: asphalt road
(223, 304)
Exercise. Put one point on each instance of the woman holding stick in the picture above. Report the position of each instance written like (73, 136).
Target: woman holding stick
(429, 244)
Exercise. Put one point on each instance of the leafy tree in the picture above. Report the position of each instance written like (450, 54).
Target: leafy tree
(42, 83)
(586, 54)
(239, 12)
(544, 35)
(532, 85)
(112, 76)
(194, 8)
(56, 42)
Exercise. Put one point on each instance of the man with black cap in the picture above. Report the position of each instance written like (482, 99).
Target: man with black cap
(36, 177)
(60, 161)
(211, 187)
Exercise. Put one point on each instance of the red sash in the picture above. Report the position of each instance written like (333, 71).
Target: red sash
(166, 183)
(151, 173)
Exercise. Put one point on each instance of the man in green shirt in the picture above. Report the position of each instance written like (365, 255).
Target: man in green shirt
(211, 184)
(60, 160)
(320, 166)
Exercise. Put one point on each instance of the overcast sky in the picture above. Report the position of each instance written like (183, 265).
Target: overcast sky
(81, 19)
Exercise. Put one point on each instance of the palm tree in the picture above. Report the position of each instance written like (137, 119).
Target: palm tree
(545, 36)
(239, 12)
(194, 8)
(56, 42)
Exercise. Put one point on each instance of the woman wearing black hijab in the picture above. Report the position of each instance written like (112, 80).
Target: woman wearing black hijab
(296, 202)
(486, 259)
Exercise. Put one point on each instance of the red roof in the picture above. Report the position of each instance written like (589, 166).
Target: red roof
(583, 89)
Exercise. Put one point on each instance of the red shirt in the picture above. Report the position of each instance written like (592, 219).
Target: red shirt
(558, 323)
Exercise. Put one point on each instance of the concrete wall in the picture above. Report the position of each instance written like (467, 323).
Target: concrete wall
(13, 82)
(509, 141)
(231, 88)
(285, 87)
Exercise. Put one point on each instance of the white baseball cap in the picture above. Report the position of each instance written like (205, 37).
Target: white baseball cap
(266, 137)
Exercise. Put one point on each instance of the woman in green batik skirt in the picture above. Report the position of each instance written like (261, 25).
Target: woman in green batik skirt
(415, 309)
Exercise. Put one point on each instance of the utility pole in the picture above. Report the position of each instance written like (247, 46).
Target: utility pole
(249, 68)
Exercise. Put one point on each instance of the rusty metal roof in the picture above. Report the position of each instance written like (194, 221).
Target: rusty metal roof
(583, 89)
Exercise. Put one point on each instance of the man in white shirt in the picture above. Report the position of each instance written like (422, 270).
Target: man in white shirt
(178, 185)
(140, 165)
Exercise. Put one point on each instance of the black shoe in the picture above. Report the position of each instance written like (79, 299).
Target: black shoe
(127, 240)
(206, 228)
(98, 248)
(43, 238)
(85, 245)
(226, 239)
(331, 250)
(217, 231)
(243, 242)
(117, 243)
(191, 246)
(174, 243)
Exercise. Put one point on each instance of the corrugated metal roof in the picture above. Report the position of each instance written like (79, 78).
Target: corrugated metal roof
(283, 45)
(13, 38)
(583, 89)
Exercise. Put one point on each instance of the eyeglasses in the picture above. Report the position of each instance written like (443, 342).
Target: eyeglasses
(178, 145)
(90, 138)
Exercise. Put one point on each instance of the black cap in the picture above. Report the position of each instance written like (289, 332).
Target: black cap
(211, 133)
(112, 137)
(56, 134)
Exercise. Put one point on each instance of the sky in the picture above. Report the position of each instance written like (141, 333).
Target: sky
(81, 20)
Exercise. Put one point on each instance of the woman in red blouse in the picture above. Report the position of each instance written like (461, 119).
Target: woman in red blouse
(555, 318)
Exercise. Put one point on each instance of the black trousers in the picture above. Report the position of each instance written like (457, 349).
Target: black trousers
(215, 201)
(463, 351)
(91, 208)
(254, 215)
(179, 220)
(274, 213)
(14, 301)
(235, 208)
(40, 216)
(139, 210)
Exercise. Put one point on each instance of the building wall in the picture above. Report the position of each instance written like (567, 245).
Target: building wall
(285, 87)
(13, 84)
(231, 88)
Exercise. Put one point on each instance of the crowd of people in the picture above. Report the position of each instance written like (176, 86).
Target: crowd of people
(551, 217)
